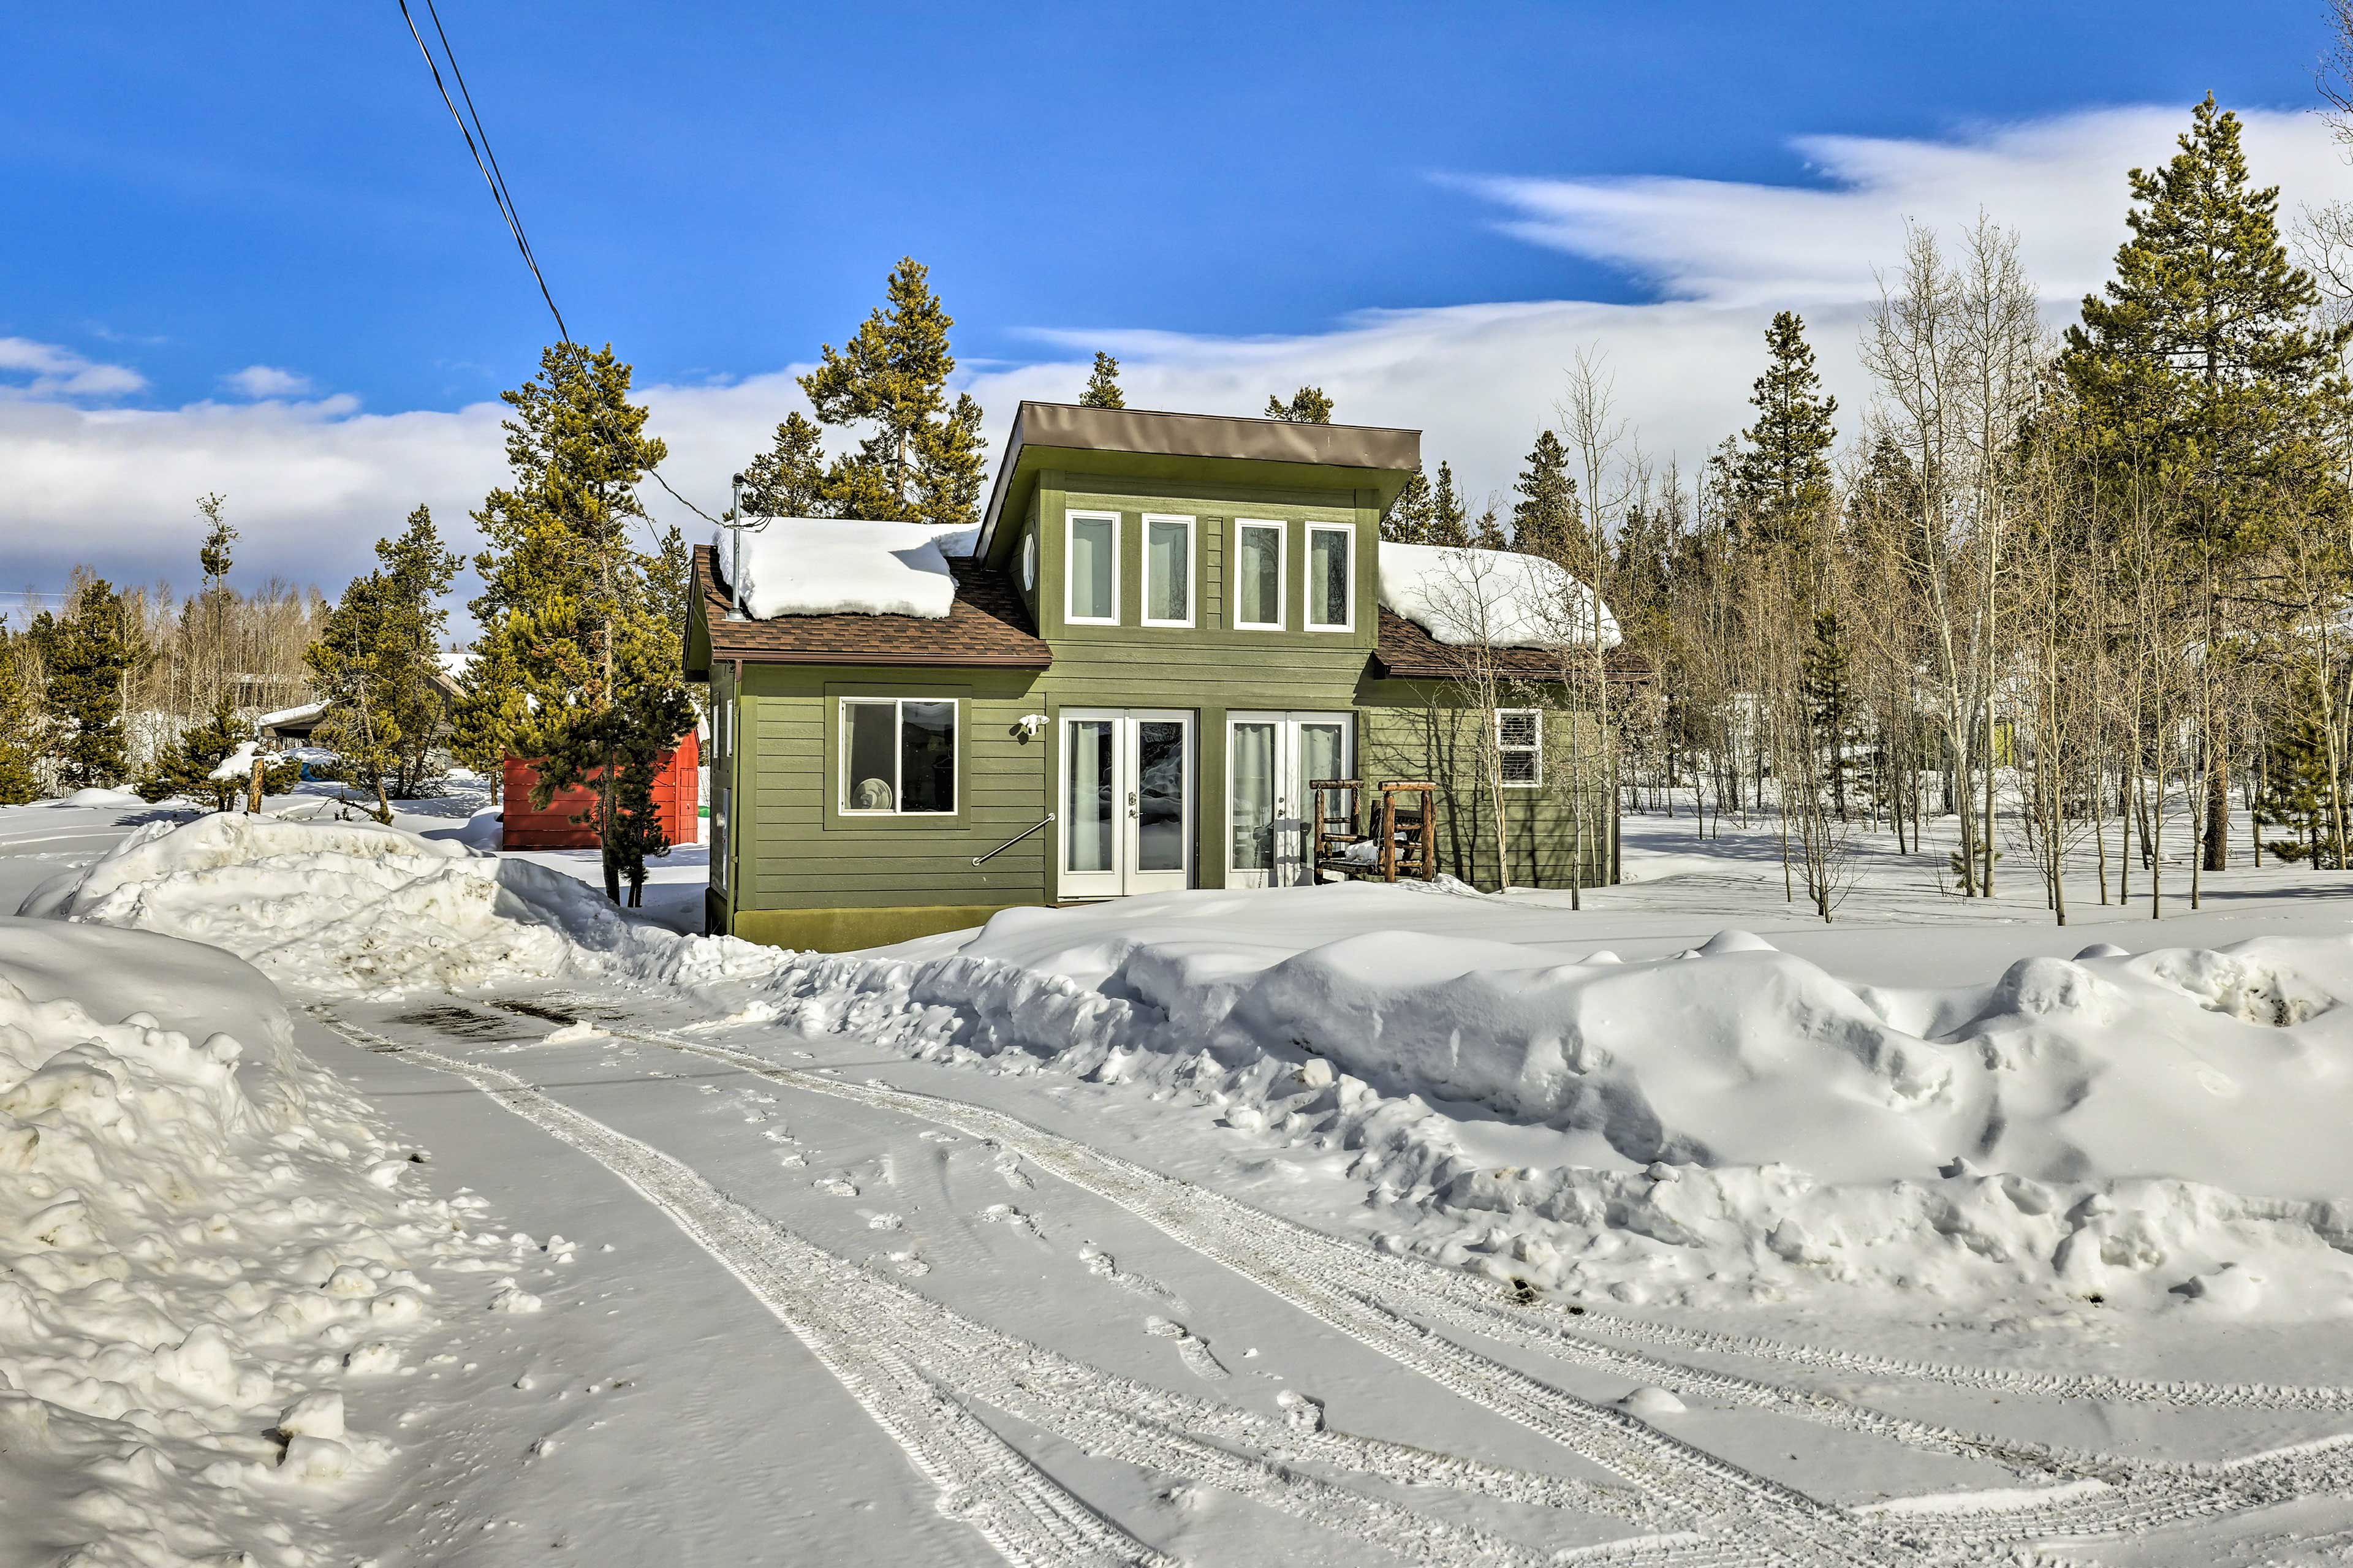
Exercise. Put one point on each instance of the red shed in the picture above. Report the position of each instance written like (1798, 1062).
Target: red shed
(676, 796)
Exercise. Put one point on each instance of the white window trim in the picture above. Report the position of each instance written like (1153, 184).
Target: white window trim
(1192, 568)
(1282, 573)
(1348, 532)
(898, 755)
(1535, 748)
(1070, 520)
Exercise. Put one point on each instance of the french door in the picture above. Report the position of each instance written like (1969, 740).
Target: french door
(1271, 759)
(1126, 802)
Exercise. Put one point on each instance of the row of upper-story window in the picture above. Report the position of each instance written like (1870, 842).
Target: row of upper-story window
(1258, 577)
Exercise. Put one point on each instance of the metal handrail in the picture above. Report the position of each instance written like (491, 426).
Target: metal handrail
(1015, 840)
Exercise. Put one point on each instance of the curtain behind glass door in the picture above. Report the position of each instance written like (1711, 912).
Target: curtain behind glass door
(1250, 808)
(1089, 809)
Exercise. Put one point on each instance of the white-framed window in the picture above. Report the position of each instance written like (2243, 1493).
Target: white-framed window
(1331, 578)
(1091, 568)
(1167, 570)
(1519, 747)
(898, 756)
(1258, 574)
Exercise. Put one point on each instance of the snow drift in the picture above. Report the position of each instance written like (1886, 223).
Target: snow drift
(2159, 1131)
(205, 1251)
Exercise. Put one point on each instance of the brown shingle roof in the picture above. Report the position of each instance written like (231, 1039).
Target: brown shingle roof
(986, 626)
(1406, 649)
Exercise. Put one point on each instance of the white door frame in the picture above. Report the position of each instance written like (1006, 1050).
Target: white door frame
(1125, 874)
(1291, 853)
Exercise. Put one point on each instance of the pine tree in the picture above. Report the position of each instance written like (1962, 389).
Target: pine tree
(2294, 792)
(20, 753)
(1449, 517)
(1781, 481)
(90, 654)
(1826, 685)
(789, 479)
(923, 458)
(1406, 521)
(1487, 533)
(577, 664)
(1308, 405)
(1103, 386)
(2201, 371)
(214, 555)
(1546, 519)
(376, 662)
(183, 768)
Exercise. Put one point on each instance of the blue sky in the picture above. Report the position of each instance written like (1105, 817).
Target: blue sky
(196, 191)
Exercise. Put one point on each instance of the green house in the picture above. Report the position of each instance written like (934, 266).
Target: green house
(1165, 626)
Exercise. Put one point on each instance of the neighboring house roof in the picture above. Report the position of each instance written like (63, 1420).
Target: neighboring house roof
(1372, 450)
(1409, 652)
(299, 718)
(985, 627)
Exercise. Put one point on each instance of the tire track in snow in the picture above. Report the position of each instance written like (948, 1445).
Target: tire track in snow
(910, 1382)
(1691, 1480)
(981, 1478)
(1289, 1262)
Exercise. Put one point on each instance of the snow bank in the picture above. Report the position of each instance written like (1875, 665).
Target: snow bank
(100, 797)
(344, 907)
(205, 1260)
(1499, 597)
(2161, 1131)
(830, 566)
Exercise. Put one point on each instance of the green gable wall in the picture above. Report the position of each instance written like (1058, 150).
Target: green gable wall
(1211, 668)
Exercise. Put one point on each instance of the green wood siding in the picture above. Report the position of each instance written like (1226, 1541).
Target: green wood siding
(801, 852)
(1418, 729)
(1209, 669)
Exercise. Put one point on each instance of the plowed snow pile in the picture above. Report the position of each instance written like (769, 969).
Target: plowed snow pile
(2160, 1131)
(204, 1251)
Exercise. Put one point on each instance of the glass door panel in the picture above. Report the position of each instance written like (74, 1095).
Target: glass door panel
(1252, 753)
(1127, 803)
(1159, 758)
(1273, 759)
(1090, 804)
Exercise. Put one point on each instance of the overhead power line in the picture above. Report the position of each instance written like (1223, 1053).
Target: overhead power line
(491, 176)
(478, 142)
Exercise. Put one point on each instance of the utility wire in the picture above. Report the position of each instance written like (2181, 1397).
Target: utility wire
(478, 142)
(496, 182)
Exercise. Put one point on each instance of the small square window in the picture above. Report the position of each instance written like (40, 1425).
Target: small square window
(1519, 746)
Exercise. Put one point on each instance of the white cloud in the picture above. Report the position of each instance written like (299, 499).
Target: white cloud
(261, 380)
(312, 484)
(53, 371)
(2059, 182)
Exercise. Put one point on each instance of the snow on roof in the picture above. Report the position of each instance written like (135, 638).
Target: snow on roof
(846, 566)
(1464, 597)
(296, 715)
(237, 764)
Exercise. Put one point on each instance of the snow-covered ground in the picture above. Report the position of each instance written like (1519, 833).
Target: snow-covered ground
(1323, 1225)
